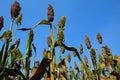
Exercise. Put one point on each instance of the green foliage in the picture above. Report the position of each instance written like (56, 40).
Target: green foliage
(13, 65)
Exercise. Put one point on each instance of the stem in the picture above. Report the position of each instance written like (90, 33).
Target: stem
(52, 54)
(27, 67)
(51, 32)
(11, 24)
(5, 53)
(28, 54)
(14, 35)
(4, 58)
(35, 25)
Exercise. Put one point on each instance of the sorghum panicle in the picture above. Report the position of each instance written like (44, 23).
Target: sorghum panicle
(49, 41)
(93, 52)
(45, 54)
(87, 42)
(85, 59)
(60, 36)
(107, 50)
(76, 67)
(50, 13)
(15, 9)
(17, 42)
(69, 57)
(62, 49)
(99, 38)
(116, 57)
(81, 49)
(107, 62)
(74, 53)
(62, 22)
(1, 22)
(37, 63)
(100, 58)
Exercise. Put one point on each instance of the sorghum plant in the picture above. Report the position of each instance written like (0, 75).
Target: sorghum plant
(14, 66)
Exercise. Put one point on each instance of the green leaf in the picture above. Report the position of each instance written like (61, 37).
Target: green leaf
(29, 43)
(82, 67)
(44, 22)
(1, 52)
(34, 47)
(101, 66)
(5, 53)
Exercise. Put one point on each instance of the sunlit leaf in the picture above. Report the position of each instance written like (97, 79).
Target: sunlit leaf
(44, 22)
(41, 69)
(82, 67)
(101, 65)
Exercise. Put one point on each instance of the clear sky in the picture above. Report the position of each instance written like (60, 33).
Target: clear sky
(84, 17)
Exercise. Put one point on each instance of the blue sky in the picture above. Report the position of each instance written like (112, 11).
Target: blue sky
(84, 17)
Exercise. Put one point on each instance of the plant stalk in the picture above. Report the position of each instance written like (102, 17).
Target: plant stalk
(11, 24)
(52, 54)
